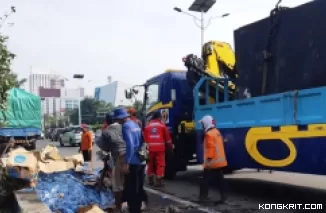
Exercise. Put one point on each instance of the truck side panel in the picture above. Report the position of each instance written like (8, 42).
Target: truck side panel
(20, 132)
(290, 108)
(285, 150)
(285, 131)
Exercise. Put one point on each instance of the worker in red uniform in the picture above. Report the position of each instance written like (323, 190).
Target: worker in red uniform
(132, 112)
(157, 137)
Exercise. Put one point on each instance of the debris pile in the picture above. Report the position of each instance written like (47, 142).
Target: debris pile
(66, 192)
(65, 185)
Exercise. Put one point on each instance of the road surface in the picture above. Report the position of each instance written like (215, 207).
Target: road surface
(247, 190)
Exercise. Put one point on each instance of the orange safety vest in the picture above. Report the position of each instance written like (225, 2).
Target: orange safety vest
(214, 150)
(86, 141)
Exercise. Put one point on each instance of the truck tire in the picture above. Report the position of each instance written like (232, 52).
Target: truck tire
(170, 172)
(227, 170)
(170, 166)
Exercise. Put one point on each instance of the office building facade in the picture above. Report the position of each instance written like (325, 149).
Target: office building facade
(51, 81)
(114, 93)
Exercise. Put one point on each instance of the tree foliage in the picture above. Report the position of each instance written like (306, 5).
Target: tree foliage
(92, 111)
(8, 79)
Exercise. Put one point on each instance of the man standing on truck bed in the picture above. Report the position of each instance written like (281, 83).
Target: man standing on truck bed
(157, 136)
(214, 159)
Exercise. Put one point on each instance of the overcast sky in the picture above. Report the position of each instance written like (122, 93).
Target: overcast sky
(126, 39)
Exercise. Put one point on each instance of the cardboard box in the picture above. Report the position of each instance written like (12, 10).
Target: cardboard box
(52, 166)
(22, 158)
(78, 159)
(50, 152)
(21, 163)
(90, 209)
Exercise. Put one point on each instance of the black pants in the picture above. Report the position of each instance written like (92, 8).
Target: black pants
(87, 155)
(133, 192)
(212, 176)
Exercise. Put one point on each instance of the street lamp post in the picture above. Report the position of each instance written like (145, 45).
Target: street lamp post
(79, 76)
(43, 112)
(201, 6)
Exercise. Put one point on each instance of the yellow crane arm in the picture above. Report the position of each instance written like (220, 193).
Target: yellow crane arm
(219, 60)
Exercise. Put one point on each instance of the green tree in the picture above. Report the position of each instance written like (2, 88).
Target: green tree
(20, 83)
(92, 111)
(8, 79)
(49, 121)
(138, 105)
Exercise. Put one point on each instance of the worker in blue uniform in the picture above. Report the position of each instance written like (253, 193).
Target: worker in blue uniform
(133, 168)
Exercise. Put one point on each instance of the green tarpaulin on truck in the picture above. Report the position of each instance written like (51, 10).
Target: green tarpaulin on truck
(24, 110)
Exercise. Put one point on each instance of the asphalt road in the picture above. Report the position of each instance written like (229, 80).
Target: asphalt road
(247, 189)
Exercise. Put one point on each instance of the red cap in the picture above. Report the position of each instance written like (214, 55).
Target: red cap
(84, 126)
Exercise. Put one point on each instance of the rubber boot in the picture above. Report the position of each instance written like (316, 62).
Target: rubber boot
(151, 180)
(159, 182)
(117, 197)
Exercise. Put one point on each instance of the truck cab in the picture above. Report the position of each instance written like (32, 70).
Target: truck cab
(171, 94)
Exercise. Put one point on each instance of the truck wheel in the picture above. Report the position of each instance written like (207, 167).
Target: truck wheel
(228, 170)
(61, 144)
(170, 172)
(170, 168)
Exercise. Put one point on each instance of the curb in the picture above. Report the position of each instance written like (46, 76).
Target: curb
(29, 202)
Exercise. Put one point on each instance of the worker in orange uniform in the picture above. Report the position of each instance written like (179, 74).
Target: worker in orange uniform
(157, 137)
(86, 144)
(132, 112)
(214, 159)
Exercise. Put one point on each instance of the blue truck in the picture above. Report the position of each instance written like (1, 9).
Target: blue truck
(171, 94)
(283, 131)
(23, 120)
(267, 120)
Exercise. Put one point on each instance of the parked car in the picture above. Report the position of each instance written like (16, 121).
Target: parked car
(56, 134)
(72, 136)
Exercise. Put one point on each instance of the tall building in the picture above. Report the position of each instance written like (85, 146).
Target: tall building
(114, 93)
(37, 80)
(57, 101)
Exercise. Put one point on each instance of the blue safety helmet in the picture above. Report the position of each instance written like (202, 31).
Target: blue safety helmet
(120, 113)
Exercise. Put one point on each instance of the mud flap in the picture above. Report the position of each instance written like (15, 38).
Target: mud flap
(170, 165)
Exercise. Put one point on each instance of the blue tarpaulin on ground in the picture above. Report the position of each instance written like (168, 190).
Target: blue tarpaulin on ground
(65, 192)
